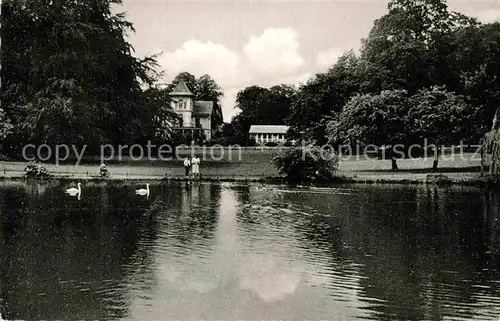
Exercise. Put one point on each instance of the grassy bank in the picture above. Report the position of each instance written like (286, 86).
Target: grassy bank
(256, 165)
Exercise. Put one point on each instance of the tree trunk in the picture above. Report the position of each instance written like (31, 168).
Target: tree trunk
(394, 165)
(435, 164)
(495, 144)
(436, 159)
(496, 120)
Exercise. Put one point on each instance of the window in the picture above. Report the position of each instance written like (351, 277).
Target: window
(181, 104)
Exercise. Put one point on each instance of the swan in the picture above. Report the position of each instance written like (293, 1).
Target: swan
(143, 191)
(74, 191)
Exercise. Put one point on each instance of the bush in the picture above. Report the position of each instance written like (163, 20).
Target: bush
(33, 170)
(306, 164)
(438, 179)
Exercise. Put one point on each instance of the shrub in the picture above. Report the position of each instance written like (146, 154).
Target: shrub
(33, 170)
(438, 179)
(305, 164)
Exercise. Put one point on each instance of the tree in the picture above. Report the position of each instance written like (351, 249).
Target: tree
(322, 98)
(5, 125)
(478, 68)
(162, 115)
(233, 134)
(203, 88)
(313, 163)
(276, 108)
(492, 144)
(187, 78)
(372, 119)
(437, 116)
(69, 75)
(409, 47)
(208, 89)
(263, 106)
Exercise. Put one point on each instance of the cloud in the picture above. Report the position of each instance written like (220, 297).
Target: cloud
(268, 59)
(328, 58)
(268, 277)
(201, 58)
(488, 16)
(273, 54)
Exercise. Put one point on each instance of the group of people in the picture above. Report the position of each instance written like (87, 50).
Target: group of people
(192, 166)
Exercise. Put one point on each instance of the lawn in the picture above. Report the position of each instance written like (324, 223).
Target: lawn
(251, 163)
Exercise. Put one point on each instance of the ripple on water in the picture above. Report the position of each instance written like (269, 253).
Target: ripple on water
(217, 251)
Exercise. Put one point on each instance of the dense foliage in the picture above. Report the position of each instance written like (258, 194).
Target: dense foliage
(69, 76)
(429, 117)
(424, 73)
(308, 163)
(259, 106)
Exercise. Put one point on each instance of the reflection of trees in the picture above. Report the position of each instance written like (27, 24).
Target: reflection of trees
(30, 186)
(423, 252)
(61, 253)
(415, 247)
(192, 215)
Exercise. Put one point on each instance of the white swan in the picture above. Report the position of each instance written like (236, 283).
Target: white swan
(74, 191)
(143, 191)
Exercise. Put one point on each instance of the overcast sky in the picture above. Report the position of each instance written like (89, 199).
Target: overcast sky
(241, 43)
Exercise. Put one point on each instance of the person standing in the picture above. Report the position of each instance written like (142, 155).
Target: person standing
(187, 165)
(196, 166)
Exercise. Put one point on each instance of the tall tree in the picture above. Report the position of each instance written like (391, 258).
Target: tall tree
(5, 125)
(322, 98)
(208, 89)
(408, 48)
(263, 106)
(478, 69)
(373, 120)
(437, 116)
(162, 117)
(187, 78)
(69, 75)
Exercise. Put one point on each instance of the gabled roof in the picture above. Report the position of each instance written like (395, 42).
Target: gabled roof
(268, 129)
(181, 90)
(203, 107)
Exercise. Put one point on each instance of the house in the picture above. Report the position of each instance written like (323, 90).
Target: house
(268, 133)
(196, 116)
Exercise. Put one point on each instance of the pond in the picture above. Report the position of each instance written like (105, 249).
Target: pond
(205, 251)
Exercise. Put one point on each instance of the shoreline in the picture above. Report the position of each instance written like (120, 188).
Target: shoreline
(259, 169)
(428, 179)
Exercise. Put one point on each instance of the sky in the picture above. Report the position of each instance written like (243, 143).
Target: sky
(264, 43)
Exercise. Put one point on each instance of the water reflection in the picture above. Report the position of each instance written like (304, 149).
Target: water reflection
(208, 251)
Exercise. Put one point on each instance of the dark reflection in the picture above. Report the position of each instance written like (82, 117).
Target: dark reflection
(192, 211)
(75, 259)
(208, 251)
(423, 254)
(430, 259)
(66, 258)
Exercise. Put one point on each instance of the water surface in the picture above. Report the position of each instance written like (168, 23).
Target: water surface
(243, 252)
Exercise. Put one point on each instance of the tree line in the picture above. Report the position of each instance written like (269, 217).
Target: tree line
(423, 72)
(69, 76)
